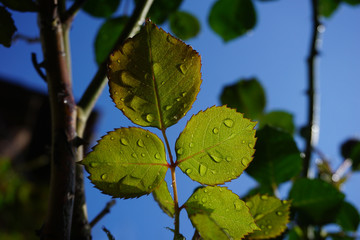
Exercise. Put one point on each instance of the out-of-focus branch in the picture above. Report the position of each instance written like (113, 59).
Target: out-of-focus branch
(105, 211)
(313, 98)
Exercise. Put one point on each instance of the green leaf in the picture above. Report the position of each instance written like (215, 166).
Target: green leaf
(127, 163)
(101, 8)
(278, 119)
(184, 25)
(260, 189)
(352, 2)
(163, 197)
(216, 145)
(348, 217)
(7, 27)
(270, 214)
(20, 5)
(328, 7)
(350, 149)
(247, 96)
(107, 36)
(316, 200)
(232, 18)
(277, 158)
(161, 10)
(218, 211)
(154, 78)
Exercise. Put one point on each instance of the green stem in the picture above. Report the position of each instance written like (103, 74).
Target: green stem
(173, 177)
(313, 108)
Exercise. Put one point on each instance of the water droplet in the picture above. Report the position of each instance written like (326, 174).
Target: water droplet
(204, 200)
(112, 138)
(215, 158)
(245, 161)
(180, 151)
(202, 169)
(157, 155)
(150, 187)
(284, 201)
(228, 159)
(116, 93)
(94, 164)
(147, 135)
(264, 197)
(191, 145)
(122, 99)
(253, 226)
(183, 68)
(215, 130)
(233, 173)
(121, 152)
(171, 39)
(143, 154)
(251, 145)
(258, 217)
(149, 118)
(183, 94)
(162, 83)
(140, 143)
(249, 204)
(157, 69)
(262, 226)
(124, 142)
(213, 171)
(279, 213)
(118, 61)
(237, 205)
(147, 76)
(269, 227)
(228, 122)
(205, 190)
(243, 141)
(104, 176)
(196, 197)
(134, 155)
(188, 171)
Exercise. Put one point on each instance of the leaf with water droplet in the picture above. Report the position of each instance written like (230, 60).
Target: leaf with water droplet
(223, 152)
(115, 165)
(151, 76)
(277, 159)
(163, 197)
(265, 210)
(221, 216)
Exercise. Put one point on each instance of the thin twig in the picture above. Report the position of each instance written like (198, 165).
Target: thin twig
(71, 12)
(37, 66)
(25, 38)
(101, 214)
(313, 103)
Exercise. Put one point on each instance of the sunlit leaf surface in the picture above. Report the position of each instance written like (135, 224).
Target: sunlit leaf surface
(154, 78)
(216, 145)
(218, 211)
(127, 163)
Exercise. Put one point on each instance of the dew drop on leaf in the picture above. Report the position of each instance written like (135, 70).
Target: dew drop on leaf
(143, 154)
(251, 145)
(204, 200)
(157, 155)
(157, 69)
(237, 205)
(94, 164)
(168, 107)
(116, 93)
(215, 130)
(180, 151)
(188, 171)
(228, 159)
(183, 94)
(279, 213)
(284, 201)
(124, 142)
(103, 176)
(183, 68)
(140, 143)
(228, 122)
(258, 217)
(171, 39)
(202, 169)
(269, 227)
(205, 190)
(191, 145)
(264, 197)
(134, 155)
(215, 158)
(243, 141)
(253, 226)
(245, 161)
(112, 138)
(178, 99)
(149, 118)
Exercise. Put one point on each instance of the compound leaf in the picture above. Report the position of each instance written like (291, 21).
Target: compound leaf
(247, 96)
(270, 214)
(154, 78)
(278, 119)
(277, 159)
(216, 210)
(232, 18)
(7, 27)
(163, 197)
(107, 36)
(127, 163)
(102, 8)
(184, 25)
(316, 200)
(216, 145)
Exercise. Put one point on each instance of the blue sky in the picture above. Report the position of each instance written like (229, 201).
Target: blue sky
(274, 52)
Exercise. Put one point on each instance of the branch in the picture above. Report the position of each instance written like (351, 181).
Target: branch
(313, 103)
(105, 211)
(63, 116)
(92, 93)
(37, 66)
(69, 15)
